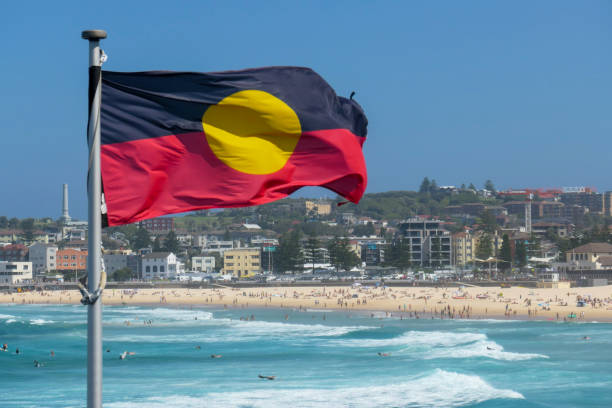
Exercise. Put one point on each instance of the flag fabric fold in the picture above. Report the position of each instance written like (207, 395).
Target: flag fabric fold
(180, 141)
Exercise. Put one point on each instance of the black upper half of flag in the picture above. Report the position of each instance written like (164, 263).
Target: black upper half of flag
(140, 105)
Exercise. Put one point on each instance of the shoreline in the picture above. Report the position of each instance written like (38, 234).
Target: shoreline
(475, 303)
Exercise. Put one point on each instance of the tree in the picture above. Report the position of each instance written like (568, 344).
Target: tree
(398, 254)
(13, 223)
(489, 221)
(348, 258)
(505, 253)
(425, 186)
(123, 274)
(289, 255)
(520, 253)
(108, 243)
(433, 186)
(218, 261)
(27, 225)
(142, 239)
(171, 244)
(3, 222)
(341, 256)
(227, 236)
(157, 247)
(488, 185)
(364, 230)
(335, 256)
(472, 187)
(484, 247)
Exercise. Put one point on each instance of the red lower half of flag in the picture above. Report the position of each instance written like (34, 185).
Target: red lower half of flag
(148, 178)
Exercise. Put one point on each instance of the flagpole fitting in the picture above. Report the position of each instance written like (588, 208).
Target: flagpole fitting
(93, 35)
(91, 298)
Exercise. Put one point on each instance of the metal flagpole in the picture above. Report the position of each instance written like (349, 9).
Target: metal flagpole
(94, 308)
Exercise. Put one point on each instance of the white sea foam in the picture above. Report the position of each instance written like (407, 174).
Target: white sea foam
(161, 314)
(439, 344)
(481, 348)
(227, 330)
(11, 321)
(416, 338)
(6, 316)
(265, 329)
(40, 322)
(438, 389)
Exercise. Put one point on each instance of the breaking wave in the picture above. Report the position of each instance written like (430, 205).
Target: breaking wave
(440, 344)
(438, 389)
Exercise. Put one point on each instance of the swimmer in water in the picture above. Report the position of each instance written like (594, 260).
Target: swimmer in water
(586, 338)
(123, 355)
(267, 377)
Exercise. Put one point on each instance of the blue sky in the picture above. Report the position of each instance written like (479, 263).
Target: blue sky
(516, 91)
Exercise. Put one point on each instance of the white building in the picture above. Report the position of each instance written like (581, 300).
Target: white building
(220, 246)
(203, 263)
(161, 265)
(185, 240)
(201, 241)
(15, 272)
(43, 258)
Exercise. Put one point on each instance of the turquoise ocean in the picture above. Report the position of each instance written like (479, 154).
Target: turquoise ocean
(318, 358)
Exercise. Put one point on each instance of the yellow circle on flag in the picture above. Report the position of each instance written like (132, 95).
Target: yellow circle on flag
(252, 131)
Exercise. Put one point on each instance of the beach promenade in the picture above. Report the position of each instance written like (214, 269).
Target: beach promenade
(409, 302)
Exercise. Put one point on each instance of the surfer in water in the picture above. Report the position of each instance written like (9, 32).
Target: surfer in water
(124, 355)
(216, 356)
(4, 347)
(384, 354)
(267, 377)
(490, 348)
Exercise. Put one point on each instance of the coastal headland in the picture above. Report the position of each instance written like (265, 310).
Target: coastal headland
(464, 302)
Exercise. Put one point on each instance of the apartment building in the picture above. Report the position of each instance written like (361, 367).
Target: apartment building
(242, 263)
(15, 272)
(585, 197)
(203, 263)
(14, 252)
(43, 258)
(318, 207)
(71, 260)
(464, 248)
(158, 225)
(430, 243)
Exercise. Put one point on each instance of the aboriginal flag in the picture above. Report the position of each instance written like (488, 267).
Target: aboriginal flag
(180, 141)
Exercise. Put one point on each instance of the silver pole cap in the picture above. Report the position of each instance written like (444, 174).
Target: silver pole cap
(93, 35)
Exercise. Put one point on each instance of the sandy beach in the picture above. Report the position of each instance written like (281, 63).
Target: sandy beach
(409, 302)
